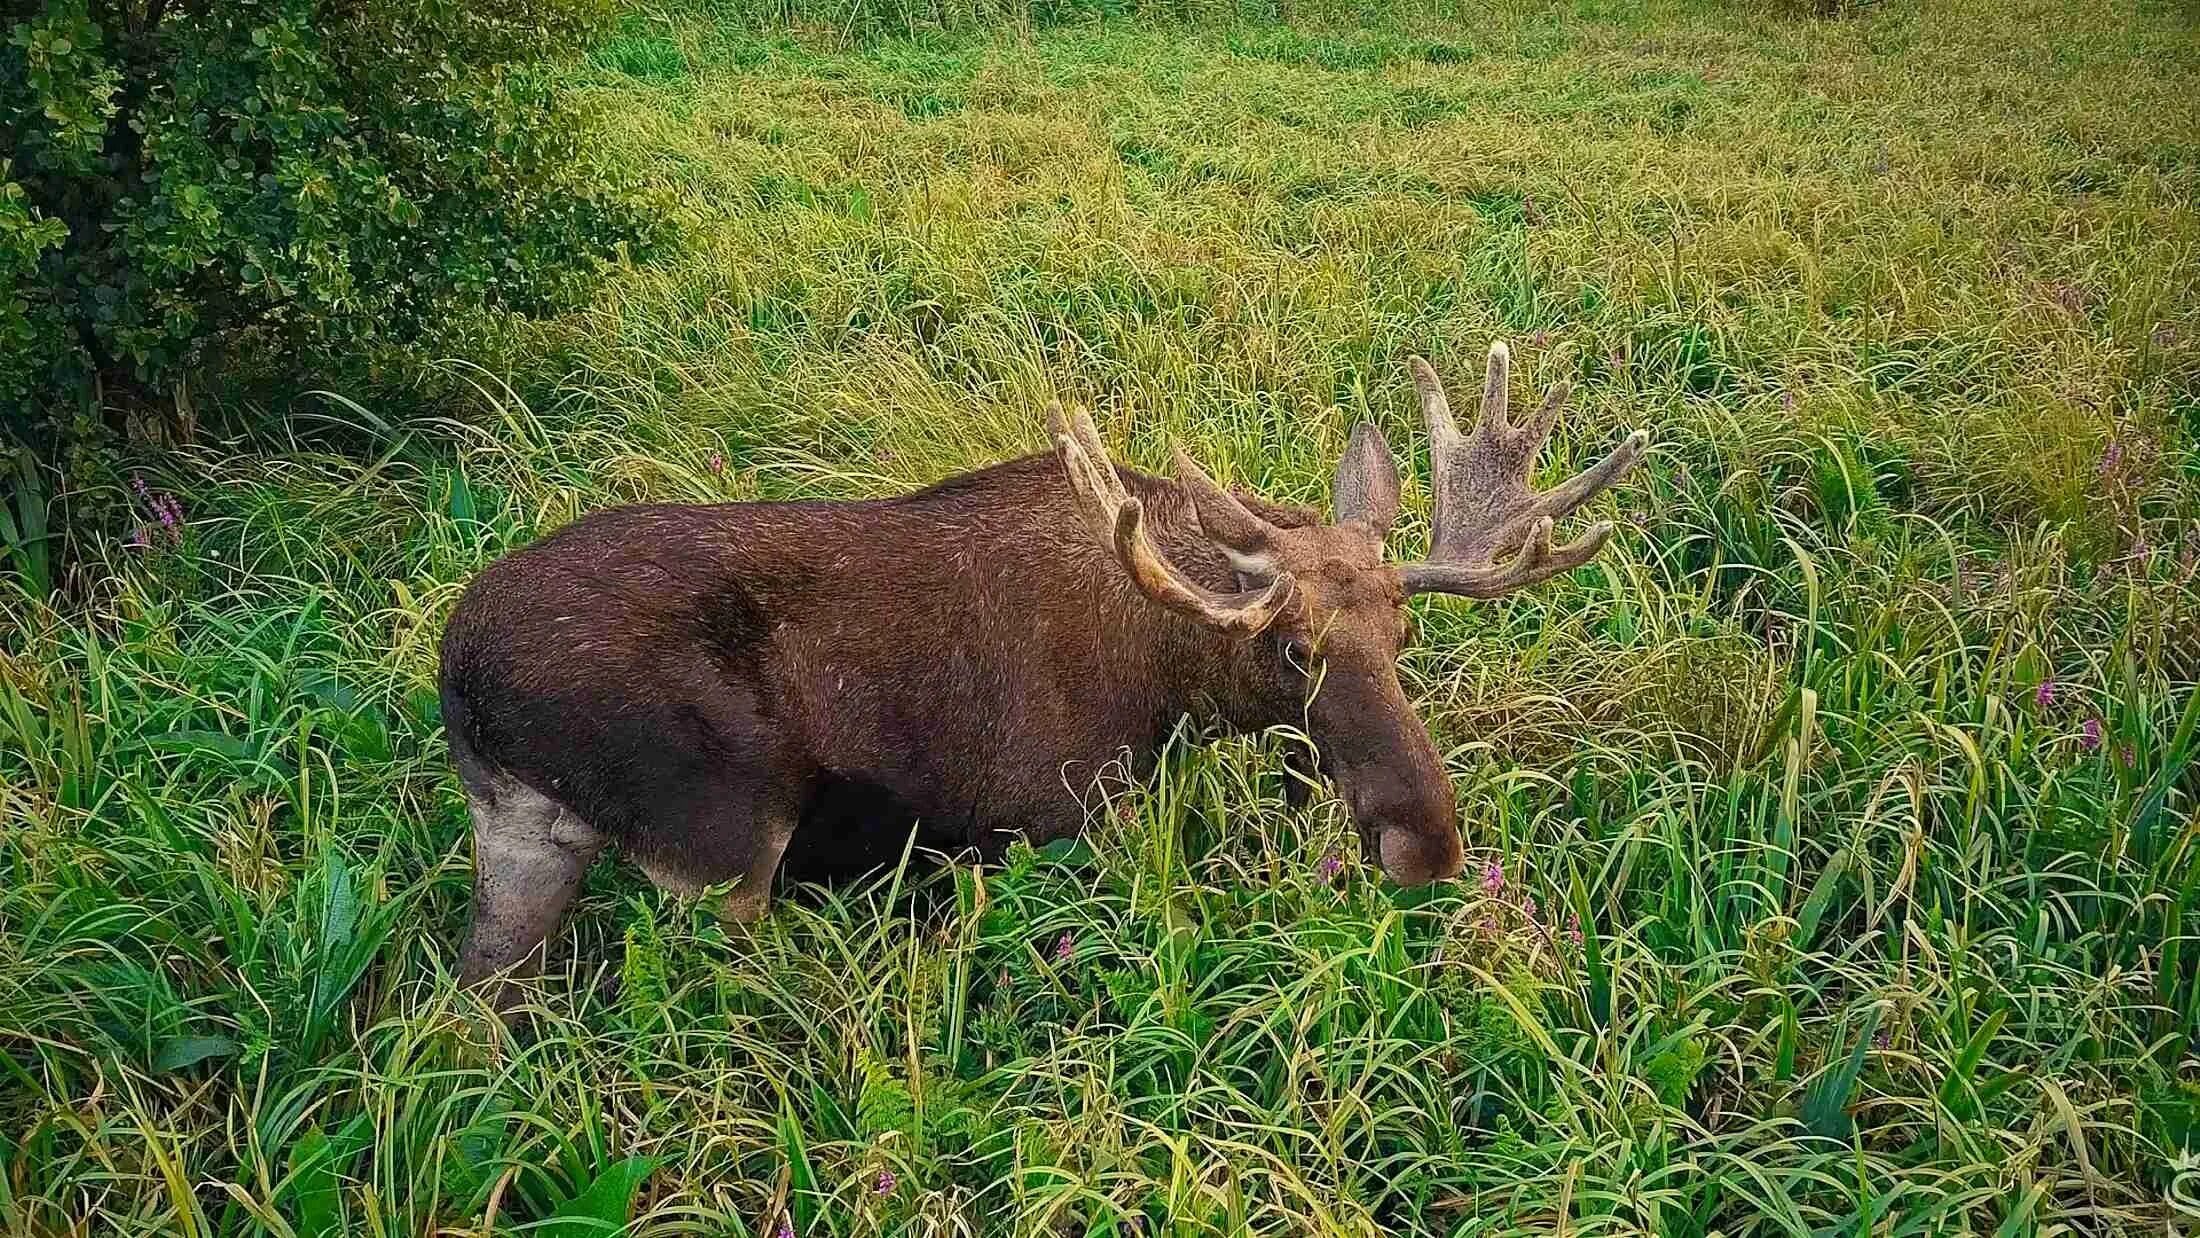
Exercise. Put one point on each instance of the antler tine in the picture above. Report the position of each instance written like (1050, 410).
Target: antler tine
(1562, 499)
(1435, 405)
(1084, 437)
(1545, 420)
(1095, 486)
(1492, 531)
(1229, 523)
(1536, 562)
(1444, 439)
(1497, 387)
(1117, 521)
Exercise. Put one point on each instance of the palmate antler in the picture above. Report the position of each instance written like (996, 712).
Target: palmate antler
(1492, 532)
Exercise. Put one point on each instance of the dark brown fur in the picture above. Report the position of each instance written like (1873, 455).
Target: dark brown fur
(964, 652)
(726, 691)
(965, 659)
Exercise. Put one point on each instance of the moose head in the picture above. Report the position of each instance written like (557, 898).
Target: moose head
(1319, 619)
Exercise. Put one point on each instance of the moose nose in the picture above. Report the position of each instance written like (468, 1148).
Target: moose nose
(1412, 818)
(1411, 858)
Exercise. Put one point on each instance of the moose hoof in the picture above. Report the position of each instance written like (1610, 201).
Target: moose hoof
(747, 905)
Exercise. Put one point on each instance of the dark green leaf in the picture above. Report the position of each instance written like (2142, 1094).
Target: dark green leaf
(605, 1206)
(187, 1051)
(1826, 1104)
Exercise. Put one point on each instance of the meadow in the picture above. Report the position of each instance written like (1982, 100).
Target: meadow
(1833, 858)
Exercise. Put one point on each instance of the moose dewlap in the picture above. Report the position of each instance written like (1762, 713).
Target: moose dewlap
(726, 690)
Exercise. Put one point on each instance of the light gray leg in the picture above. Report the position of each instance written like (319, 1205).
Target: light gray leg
(530, 855)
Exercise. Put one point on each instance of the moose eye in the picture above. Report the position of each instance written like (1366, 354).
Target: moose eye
(1298, 650)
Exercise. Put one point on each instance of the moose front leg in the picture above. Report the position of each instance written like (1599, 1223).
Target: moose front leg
(751, 900)
(1301, 772)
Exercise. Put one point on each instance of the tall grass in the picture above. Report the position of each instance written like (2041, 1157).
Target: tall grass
(1833, 837)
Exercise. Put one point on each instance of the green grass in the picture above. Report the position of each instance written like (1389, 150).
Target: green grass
(1875, 937)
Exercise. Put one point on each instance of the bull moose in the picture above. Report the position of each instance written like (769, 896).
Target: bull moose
(724, 690)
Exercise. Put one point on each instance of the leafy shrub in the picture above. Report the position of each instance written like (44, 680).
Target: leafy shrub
(187, 178)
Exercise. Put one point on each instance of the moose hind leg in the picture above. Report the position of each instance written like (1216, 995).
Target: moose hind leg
(738, 837)
(530, 855)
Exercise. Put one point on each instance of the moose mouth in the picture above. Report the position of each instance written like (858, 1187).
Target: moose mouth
(1410, 855)
(1411, 858)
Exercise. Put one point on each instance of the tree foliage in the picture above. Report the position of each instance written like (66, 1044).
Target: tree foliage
(180, 178)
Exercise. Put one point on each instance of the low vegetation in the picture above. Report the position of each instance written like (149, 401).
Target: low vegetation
(1832, 837)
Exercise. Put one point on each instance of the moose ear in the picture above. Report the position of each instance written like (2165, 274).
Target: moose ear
(1367, 480)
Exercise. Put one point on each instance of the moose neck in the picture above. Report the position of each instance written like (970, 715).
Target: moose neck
(1217, 678)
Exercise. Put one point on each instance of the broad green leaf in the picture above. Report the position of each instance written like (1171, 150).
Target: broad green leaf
(1826, 1104)
(187, 1051)
(605, 1206)
(1956, 1090)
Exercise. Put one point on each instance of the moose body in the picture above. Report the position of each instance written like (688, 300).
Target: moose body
(692, 681)
(726, 692)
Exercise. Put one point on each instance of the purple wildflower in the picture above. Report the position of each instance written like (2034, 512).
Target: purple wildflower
(1064, 947)
(170, 515)
(2089, 735)
(1493, 878)
(1528, 907)
(1331, 865)
(1573, 929)
(1486, 925)
(137, 537)
(1882, 1040)
(2112, 457)
(1540, 338)
(884, 1183)
(138, 484)
(717, 462)
(2044, 695)
(785, 1230)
